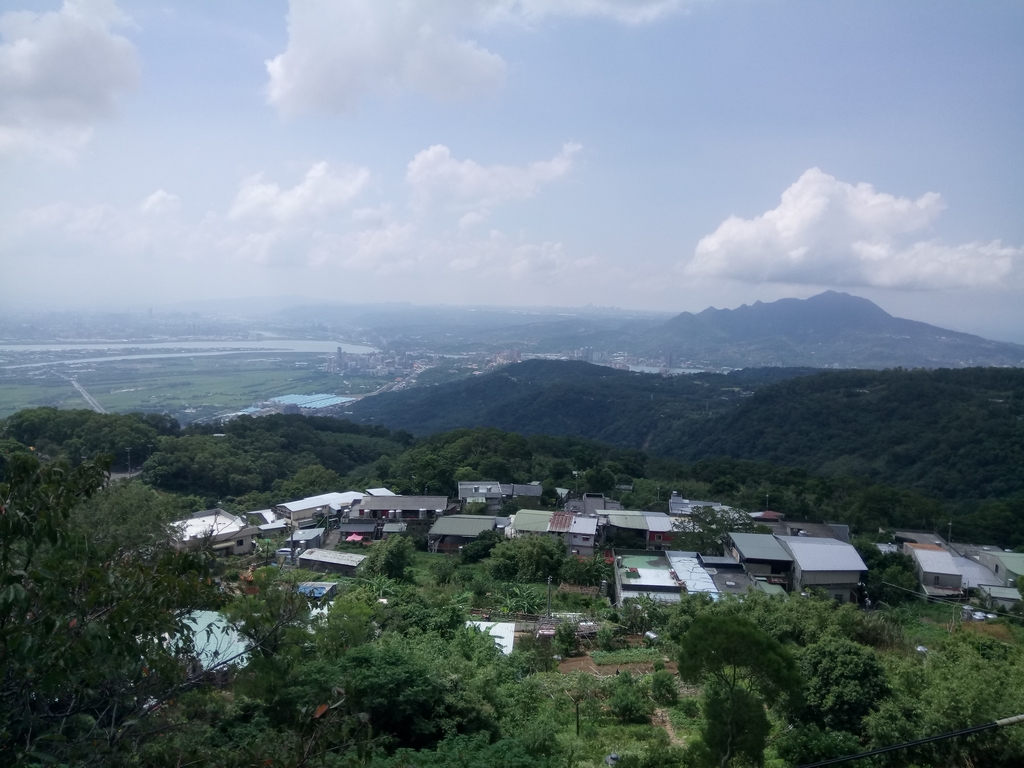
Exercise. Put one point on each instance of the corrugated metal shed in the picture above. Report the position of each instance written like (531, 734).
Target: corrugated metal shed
(503, 632)
(347, 528)
(583, 525)
(306, 534)
(759, 546)
(323, 500)
(394, 528)
(405, 503)
(330, 556)
(560, 522)
(532, 520)
(934, 559)
(633, 520)
(658, 522)
(813, 554)
(1001, 593)
(469, 526)
(974, 573)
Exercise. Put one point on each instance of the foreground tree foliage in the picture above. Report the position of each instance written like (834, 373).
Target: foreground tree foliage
(84, 627)
(744, 669)
(99, 652)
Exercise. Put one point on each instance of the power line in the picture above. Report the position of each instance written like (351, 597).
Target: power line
(908, 744)
(945, 601)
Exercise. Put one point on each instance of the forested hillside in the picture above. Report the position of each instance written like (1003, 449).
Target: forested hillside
(100, 632)
(255, 463)
(549, 397)
(951, 434)
(955, 434)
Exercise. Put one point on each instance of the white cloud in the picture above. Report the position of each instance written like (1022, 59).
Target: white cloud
(61, 71)
(337, 51)
(271, 231)
(829, 232)
(623, 11)
(160, 202)
(320, 191)
(436, 177)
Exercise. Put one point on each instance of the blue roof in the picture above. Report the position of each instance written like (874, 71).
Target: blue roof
(311, 401)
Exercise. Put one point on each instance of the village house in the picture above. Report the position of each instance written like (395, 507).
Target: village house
(226, 534)
(936, 571)
(828, 564)
(451, 532)
(311, 510)
(399, 507)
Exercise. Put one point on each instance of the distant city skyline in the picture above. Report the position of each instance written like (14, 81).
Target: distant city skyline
(646, 154)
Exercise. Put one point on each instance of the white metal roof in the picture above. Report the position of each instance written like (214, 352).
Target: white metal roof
(584, 526)
(650, 577)
(658, 522)
(216, 523)
(330, 556)
(323, 500)
(813, 554)
(937, 561)
(973, 573)
(689, 570)
(267, 514)
(503, 632)
(379, 492)
(306, 534)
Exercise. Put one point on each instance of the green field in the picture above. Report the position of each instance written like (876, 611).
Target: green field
(189, 388)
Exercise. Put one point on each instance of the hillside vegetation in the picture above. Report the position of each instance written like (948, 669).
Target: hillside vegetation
(952, 434)
(256, 463)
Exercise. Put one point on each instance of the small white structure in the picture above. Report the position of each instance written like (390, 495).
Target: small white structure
(325, 560)
(583, 535)
(323, 505)
(503, 632)
(227, 534)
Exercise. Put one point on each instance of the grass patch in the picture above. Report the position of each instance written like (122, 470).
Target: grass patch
(626, 656)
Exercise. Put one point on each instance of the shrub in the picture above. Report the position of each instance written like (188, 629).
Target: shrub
(663, 688)
(565, 641)
(443, 571)
(629, 702)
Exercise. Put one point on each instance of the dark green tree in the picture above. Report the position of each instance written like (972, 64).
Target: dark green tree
(743, 669)
(845, 681)
(391, 557)
(93, 639)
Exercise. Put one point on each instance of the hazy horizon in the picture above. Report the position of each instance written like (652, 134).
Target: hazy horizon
(649, 155)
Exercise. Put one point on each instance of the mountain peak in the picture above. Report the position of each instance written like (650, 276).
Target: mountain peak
(830, 328)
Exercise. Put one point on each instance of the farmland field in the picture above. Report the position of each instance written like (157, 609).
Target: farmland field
(187, 387)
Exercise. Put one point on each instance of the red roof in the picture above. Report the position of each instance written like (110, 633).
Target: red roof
(560, 522)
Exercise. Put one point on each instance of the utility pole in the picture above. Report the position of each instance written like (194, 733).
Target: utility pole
(766, 502)
(549, 597)
(129, 462)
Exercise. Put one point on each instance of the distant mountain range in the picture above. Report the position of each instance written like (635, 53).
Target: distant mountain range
(828, 330)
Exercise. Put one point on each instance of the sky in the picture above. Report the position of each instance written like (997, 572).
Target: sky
(646, 154)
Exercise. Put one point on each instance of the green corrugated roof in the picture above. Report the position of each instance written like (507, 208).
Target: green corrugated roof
(771, 589)
(533, 520)
(628, 519)
(462, 525)
(1004, 593)
(759, 546)
(1012, 561)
